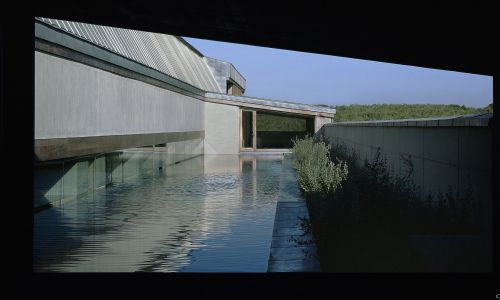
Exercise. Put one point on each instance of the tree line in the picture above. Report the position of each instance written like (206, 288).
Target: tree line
(357, 112)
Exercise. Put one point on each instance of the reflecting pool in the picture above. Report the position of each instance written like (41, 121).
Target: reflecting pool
(211, 213)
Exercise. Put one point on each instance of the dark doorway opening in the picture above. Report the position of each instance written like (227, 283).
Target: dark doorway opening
(247, 129)
(277, 131)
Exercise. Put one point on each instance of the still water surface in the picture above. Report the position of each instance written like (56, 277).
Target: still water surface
(206, 214)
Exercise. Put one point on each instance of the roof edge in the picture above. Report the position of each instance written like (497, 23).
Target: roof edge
(182, 40)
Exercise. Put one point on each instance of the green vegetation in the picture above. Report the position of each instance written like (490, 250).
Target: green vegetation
(317, 173)
(402, 111)
(364, 225)
(274, 122)
(489, 108)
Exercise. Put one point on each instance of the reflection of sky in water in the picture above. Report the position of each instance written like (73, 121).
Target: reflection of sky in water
(195, 216)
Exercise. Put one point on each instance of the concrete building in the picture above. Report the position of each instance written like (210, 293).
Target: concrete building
(100, 89)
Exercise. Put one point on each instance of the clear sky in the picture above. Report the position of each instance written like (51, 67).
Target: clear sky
(322, 79)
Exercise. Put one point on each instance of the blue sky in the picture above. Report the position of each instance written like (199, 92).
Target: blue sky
(322, 79)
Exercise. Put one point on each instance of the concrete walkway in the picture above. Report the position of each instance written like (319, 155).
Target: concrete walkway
(292, 247)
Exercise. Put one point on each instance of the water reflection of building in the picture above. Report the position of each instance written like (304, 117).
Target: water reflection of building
(151, 222)
(221, 200)
(126, 227)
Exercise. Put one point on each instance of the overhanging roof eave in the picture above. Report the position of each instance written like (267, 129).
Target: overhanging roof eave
(267, 107)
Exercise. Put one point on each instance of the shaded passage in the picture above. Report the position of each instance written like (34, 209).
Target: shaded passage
(206, 214)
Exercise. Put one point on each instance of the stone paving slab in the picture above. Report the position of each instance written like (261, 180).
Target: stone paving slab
(287, 231)
(300, 265)
(291, 216)
(297, 208)
(290, 223)
(293, 253)
(292, 249)
(284, 204)
(284, 240)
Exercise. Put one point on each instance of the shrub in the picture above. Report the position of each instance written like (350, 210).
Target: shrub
(364, 226)
(316, 172)
(372, 190)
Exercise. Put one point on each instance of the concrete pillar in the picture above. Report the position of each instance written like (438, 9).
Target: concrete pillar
(320, 121)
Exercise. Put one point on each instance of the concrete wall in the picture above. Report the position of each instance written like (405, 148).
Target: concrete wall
(222, 129)
(319, 122)
(84, 110)
(442, 157)
(59, 181)
(76, 100)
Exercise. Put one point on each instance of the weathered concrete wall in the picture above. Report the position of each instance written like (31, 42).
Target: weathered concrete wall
(58, 181)
(320, 121)
(76, 100)
(222, 129)
(442, 157)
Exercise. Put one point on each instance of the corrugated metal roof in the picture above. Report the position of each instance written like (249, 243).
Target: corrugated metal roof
(170, 55)
(165, 53)
(270, 102)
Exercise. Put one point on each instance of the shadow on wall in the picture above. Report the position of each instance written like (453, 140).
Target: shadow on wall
(445, 161)
(62, 180)
(378, 222)
(59, 181)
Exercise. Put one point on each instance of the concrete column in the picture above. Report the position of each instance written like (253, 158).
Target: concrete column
(320, 121)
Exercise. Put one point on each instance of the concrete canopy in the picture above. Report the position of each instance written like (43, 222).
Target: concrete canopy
(458, 37)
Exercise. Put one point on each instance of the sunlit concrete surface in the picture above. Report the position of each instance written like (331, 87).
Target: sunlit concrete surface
(99, 89)
(222, 127)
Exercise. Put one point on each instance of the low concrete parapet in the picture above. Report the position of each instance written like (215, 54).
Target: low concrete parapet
(292, 246)
(448, 156)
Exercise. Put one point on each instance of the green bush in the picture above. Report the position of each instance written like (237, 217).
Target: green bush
(316, 172)
(365, 225)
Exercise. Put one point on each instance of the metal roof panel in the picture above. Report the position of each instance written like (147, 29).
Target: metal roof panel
(173, 57)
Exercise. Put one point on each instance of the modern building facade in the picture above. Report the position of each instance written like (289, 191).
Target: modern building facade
(101, 92)
(100, 89)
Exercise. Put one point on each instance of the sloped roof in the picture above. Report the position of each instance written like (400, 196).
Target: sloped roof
(242, 100)
(165, 53)
(170, 55)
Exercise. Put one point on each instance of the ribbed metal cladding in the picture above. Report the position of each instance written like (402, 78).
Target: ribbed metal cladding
(162, 52)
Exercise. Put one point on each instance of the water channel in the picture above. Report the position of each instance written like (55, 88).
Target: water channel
(211, 213)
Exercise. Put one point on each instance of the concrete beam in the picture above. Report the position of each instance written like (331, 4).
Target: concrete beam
(50, 149)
